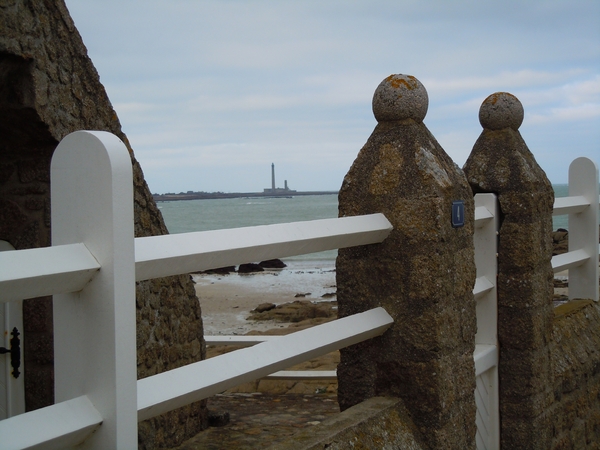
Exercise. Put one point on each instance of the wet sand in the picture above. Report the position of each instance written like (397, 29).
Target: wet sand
(226, 300)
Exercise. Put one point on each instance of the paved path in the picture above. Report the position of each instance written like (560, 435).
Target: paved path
(259, 420)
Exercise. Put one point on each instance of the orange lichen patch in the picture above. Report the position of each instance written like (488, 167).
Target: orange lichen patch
(398, 82)
(493, 99)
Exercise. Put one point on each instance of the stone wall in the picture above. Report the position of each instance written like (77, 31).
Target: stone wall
(423, 273)
(376, 423)
(48, 89)
(575, 356)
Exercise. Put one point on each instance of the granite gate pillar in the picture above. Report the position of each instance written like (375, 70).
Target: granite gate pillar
(501, 163)
(423, 274)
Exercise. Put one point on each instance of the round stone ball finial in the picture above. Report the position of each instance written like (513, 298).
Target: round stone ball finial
(501, 110)
(400, 97)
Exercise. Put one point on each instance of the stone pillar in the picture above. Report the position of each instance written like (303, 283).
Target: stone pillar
(501, 163)
(423, 274)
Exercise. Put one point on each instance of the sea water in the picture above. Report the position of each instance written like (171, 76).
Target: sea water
(214, 214)
(314, 272)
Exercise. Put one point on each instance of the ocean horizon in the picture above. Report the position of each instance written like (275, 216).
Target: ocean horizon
(213, 214)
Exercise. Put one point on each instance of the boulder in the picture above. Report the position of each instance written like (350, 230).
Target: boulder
(250, 268)
(272, 264)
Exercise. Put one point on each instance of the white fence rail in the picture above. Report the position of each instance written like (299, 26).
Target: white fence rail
(582, 207)
(94, 262)
(169, 390)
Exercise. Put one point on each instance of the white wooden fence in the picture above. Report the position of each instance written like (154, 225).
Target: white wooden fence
(91, 270)
(94, 261)
(582, 206)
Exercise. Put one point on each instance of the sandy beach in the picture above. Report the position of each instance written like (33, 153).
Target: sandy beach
(226, 300)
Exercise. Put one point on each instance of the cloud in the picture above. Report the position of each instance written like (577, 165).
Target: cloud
(210, 86)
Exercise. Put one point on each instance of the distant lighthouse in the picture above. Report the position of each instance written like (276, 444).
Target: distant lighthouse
(285, 191)
(273, 176)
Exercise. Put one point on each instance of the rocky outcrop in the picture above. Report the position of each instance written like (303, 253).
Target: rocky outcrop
(48, 89)
(560, 241)
(272, 264)
(250, 268)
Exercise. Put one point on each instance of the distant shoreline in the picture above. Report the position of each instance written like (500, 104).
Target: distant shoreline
(217, 195)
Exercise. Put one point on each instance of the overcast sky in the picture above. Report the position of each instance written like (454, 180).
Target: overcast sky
(211, 92)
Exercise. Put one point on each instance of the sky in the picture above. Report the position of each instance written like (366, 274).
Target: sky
(211, 92)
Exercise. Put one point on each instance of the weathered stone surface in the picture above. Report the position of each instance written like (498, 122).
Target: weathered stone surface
(500, 162)
(576, 365)
(501, 110)
(378, 423)
(400, 97)
(48, 89)
(422, 274)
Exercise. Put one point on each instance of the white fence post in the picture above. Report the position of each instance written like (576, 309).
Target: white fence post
(487, 400)
(583, 229)
(94, 329)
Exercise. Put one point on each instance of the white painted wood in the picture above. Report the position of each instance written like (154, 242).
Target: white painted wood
(238, 341)
(486, 357)
(249, 341)
(485, 241)
(12, 390)
(94, 329)
(487, 437)
(170, 390)
(569, 260)
(482, 215)
(45, 271)
(311, 375)
(486, 340)
(482, 287)
(60, 426)
(583, 229)
(569, 205)
(159, 256)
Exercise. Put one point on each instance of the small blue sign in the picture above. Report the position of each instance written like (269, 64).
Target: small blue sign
(458, 213)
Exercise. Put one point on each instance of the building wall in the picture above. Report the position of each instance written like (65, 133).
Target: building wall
(48, 89)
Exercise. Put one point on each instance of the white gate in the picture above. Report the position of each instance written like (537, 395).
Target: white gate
(12, 386)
